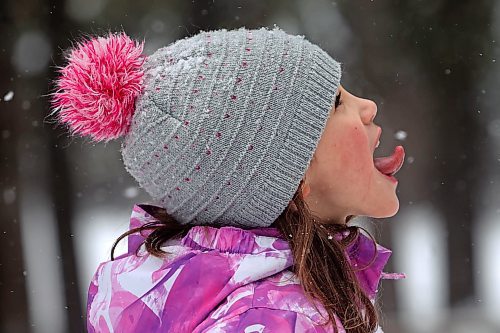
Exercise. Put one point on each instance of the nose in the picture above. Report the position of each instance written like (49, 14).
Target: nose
(368, 111)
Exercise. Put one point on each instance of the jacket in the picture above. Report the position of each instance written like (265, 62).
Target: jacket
(215, 280)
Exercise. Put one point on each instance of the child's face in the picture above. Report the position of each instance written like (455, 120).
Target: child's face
(342, 176)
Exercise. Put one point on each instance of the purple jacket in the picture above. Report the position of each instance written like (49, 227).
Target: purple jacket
(228, 280)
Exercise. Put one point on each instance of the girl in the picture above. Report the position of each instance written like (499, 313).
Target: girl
(256, 159)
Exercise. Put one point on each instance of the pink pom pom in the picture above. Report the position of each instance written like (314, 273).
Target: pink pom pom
(97, 89)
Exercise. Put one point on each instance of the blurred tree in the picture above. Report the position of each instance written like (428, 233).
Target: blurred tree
(13, 304)
(450, 54)
(60, 182)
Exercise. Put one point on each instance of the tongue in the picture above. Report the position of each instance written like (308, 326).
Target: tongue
(391, 164)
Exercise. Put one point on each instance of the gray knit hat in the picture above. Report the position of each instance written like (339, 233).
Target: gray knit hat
(227, 122)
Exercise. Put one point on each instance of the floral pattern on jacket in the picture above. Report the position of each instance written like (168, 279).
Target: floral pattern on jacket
(215, 280)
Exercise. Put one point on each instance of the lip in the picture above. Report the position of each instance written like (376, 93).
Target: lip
(378, 138)
(391, 178)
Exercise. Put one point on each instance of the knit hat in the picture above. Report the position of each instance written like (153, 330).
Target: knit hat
(218, 128)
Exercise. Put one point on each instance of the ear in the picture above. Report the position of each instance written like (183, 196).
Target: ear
(306, 189)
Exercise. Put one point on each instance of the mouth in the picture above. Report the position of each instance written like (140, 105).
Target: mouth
(377, 142)
(389, 165)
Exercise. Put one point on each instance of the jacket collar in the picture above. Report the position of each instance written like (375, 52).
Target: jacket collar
(366, 257)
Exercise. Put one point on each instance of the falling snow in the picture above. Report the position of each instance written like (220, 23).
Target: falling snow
(400, 135)
(8, 96)
(9, 195)
(131, 192)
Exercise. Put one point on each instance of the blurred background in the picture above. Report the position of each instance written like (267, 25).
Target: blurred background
(430, 65)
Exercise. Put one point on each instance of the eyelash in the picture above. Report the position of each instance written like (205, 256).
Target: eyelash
(337, 100)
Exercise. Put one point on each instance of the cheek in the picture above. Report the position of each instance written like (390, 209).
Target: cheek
(353, 153)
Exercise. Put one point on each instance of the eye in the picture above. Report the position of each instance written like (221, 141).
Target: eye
(337, 100)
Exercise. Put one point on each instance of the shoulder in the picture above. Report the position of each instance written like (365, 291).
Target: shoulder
(274, 304)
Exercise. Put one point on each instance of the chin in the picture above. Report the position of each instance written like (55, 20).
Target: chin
(388, 210)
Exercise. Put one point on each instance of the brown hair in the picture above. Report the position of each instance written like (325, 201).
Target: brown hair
(319, 260)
